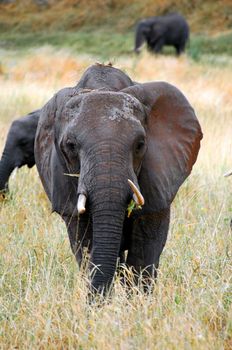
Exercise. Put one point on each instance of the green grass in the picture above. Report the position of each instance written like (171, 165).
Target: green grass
(219, 45)
(105, 43)
(102, 43)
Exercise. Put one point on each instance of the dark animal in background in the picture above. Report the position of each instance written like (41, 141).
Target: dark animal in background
(172, 30)
(19, 147)
(92, 139)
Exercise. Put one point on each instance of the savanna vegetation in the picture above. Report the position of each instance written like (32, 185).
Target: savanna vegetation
(106, 27)
(42, 292)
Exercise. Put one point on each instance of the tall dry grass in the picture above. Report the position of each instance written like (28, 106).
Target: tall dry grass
(42, 291)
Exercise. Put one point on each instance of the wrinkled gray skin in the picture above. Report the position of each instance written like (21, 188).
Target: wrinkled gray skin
(19, 147)
(171, 30)
(111, 131)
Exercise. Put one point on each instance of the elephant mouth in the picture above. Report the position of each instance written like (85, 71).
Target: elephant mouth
(137, 196)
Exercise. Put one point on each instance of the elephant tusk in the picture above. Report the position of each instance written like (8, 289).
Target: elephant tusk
(72, 175)
(81, 204)
(137, 196)
(228, 174)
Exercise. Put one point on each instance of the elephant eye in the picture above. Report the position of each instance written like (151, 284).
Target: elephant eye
(70, 145)
(70, 148)
(140, 146)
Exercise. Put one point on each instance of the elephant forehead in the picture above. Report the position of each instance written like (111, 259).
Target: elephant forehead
(112, 106)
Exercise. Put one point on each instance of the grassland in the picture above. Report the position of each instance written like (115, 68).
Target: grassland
(105, 28)
(106, 44)
(42, 291)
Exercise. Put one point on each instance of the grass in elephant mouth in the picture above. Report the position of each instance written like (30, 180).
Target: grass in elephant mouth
(43, 294)
(132, 206)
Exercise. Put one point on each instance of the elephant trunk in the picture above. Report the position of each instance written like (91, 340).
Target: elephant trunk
(107, 233)
(108, 200)
(6, 168)
(139, 37)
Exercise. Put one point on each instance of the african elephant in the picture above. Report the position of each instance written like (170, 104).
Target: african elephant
(172, 30)
(19, 147)
(97, 147)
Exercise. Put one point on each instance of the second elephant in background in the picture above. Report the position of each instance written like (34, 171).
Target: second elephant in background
(19, 147)
(158, 31)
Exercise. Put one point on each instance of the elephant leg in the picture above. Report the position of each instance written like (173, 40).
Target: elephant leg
(158, 45)
(147, 242)
(79, 232)
(180, 48)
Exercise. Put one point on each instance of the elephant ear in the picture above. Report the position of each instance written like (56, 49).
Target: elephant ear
(173, 142)
(60, 188)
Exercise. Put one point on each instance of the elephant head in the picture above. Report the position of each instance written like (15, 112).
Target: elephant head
(143, 33)
(19, 147)
(90, 143)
